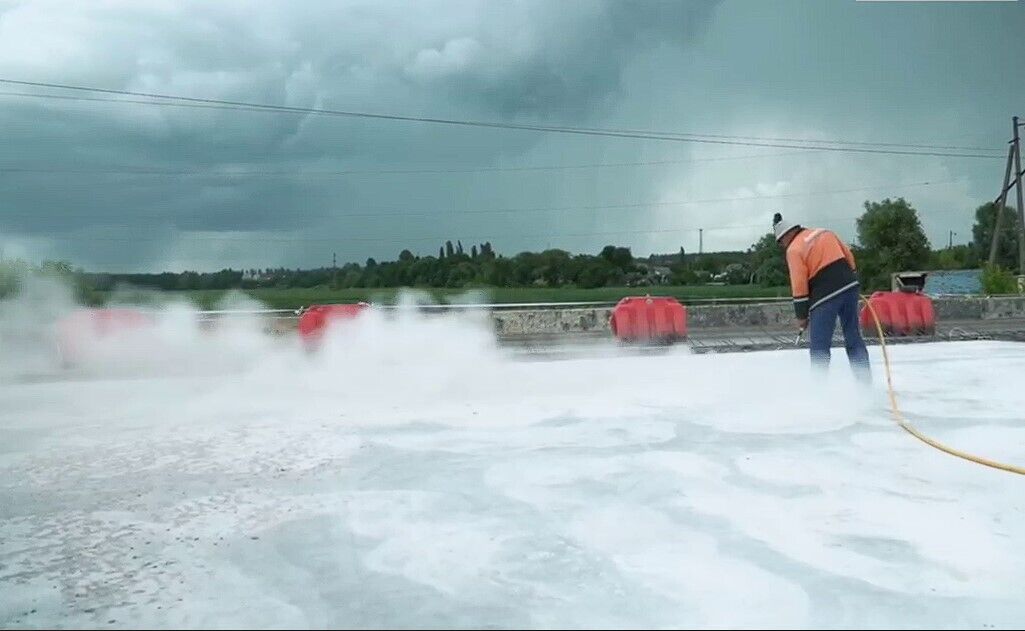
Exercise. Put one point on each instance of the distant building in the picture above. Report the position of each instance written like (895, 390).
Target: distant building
(649, 274)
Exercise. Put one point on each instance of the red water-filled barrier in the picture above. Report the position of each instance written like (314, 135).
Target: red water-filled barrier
(85, 327)
(315, 319)
(649, 319)
(900, 313)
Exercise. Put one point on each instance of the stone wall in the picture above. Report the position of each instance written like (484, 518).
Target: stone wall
(1000, 308)
(768, 315)
(746, 315)
(778, 315)
(551, 321)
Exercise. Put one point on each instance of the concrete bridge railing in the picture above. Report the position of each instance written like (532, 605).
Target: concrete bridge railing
(528, 322)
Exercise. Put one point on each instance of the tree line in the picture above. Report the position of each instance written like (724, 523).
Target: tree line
(890, 239)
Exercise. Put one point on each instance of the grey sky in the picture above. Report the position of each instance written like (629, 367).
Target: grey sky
(935, 73)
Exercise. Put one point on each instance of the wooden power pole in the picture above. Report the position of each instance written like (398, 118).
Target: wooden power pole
(1013, 167)
(1021, 206)
(998, 221)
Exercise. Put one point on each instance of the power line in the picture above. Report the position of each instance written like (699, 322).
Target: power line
(647, 204)
(128, 170)
(248, 106)
(820, 141)
(88, 99)
(681, 135)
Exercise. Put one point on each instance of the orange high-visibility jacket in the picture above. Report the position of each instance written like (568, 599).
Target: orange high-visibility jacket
(821, 267)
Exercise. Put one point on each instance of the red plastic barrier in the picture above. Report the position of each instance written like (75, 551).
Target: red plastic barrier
(900, 313)
(654, 319)
(86, 326)
(315, 320)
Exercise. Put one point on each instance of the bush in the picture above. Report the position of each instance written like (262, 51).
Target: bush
(996, 280)
(11, 275)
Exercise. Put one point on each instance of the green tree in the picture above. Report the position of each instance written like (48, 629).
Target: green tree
(736, 274)
(460, 275)
(892, 240)
(683, 275)
(768, 262)
(188, 280)
(619, 257)
(982, 235)
(957, 257)
(59, 269)
(498, 272)
(997, 281)
(596, 273)
(554, 267)
(351, 279)
(12, 273)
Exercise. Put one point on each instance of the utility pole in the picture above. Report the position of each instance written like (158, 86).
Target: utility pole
(998, 221)
(950, 243)
(334, 269)
(1021, 205)
(701, 241)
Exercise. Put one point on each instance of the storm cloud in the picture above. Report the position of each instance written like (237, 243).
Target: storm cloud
(130, 186)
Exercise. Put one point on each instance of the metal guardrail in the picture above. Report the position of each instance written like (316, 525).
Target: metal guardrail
(497, 306)
(246, 311)
(211, 314)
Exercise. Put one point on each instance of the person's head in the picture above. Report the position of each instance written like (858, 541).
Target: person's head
(784, 230)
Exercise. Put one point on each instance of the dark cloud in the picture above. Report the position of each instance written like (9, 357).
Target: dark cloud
(742, 68)
(566, 58)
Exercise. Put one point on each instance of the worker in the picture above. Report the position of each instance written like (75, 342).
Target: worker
(824, 283)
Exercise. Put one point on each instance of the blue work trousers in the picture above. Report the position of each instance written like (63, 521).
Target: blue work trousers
(822, 322)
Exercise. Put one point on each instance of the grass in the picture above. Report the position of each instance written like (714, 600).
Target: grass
(295, 298)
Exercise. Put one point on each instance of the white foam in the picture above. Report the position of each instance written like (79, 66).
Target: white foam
(412, 474)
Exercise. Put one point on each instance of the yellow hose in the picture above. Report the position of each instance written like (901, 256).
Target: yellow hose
(908, 427)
